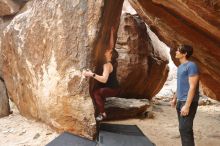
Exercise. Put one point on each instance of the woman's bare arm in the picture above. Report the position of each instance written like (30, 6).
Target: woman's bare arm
(107, 69)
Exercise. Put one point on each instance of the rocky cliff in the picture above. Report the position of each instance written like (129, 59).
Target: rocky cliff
(188, 22)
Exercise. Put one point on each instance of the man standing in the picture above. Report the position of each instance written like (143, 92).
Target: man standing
(186, 98)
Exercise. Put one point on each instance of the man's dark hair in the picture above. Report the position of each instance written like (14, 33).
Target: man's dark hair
(186, 49)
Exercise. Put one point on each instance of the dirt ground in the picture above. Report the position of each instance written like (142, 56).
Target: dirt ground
(163, 129)
(16, 130)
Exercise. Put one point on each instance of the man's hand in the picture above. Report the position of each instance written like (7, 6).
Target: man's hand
(184, 111)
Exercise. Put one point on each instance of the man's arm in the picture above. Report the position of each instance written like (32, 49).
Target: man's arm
(193, 81)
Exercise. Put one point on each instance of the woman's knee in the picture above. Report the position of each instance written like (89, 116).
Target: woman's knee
(101, 91)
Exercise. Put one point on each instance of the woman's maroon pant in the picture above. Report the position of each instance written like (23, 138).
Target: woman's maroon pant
(100, 94)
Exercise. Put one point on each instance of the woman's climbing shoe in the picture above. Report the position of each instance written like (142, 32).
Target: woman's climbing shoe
(100, 117)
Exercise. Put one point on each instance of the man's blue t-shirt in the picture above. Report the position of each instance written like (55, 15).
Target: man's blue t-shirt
(183, 73)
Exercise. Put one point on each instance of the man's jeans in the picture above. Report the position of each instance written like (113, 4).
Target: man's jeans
(186, 123)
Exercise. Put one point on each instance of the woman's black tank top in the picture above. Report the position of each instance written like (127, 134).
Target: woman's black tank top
(112, 80)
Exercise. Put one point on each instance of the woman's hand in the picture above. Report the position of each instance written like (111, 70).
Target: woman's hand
(88, 73)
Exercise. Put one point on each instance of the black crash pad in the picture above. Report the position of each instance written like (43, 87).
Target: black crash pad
(122, 135)
(68, 139)
(109, 135)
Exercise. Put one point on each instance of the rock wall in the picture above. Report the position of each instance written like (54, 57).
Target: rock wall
(142, 69)
(188, 22)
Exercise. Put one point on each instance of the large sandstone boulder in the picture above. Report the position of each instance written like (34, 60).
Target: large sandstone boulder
(121, 108)
(46, 46)
(188, 22)
(142, 69)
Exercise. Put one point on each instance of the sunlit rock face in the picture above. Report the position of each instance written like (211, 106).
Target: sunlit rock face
(188, 22)
(142, 69)
(46, 46)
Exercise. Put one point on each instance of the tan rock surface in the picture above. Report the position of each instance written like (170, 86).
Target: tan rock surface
(120, 108)
(142, 69)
